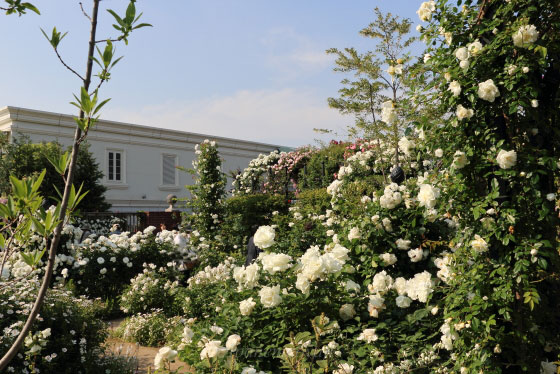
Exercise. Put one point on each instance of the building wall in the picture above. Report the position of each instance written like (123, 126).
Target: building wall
(142, 148)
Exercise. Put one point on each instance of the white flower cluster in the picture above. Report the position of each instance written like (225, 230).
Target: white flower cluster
(417, 288)
(406, 146)
(209, 275)
(316, 265)
(392, 196)
(388, 112)
(247, 277)
(525, 36)
(243, 183)
(447, 336)
(213, 348)
(426, 10)
(444, 265)
(275, 262)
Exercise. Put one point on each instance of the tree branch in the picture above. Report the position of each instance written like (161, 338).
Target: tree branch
(66, 66)
(84, 12)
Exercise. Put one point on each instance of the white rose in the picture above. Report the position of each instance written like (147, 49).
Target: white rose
(275, 262)
(416, 255)
(388, 113)
(425, 11)
(212, 349)
(163, 355)
(525, 69)
(352, 286)
(447, 76)
(354, 233)
(232, 342)
(459, 160)
(511, 69)
(479, 244)
(488, 91)
(455, 88)
(506, 159)
(100, 260)
(264, 237)
(464, 64)
(403, 301)
(403, 244)
(438, 153)
(525, 36)
(475, 47)
(344, 369)
(427, 58)
(462, 54)
(463, 112)
(535, 103)
(347, 312)
(388, 258)
(551, 197)
(428, 195)
(368, 335)
(270, 296)
(246, 306)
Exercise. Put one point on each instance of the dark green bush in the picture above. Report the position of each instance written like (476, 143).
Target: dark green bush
(244, 212)
(23, 158)
(322, 166)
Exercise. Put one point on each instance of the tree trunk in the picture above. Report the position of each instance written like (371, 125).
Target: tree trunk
(64, 205)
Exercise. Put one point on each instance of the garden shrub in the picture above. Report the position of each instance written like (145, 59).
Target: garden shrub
(148, 329)
(150, 290)
(320, 169)
(67, 338)
(243, 212)
(103, 266)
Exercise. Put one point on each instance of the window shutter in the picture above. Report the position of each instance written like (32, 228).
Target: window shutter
(169, 170)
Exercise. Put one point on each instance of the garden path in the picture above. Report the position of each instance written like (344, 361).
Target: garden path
(144, 356)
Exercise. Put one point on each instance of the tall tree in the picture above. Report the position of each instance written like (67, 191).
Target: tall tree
(377, 94)
(23, 159)
(89, 106)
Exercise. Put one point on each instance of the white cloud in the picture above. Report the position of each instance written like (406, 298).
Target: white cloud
(283, 117)
(293, 55)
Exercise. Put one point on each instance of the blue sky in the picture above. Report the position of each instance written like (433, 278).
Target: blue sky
(251, 69)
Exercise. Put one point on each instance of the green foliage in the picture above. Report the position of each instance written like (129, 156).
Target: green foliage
(372, 86)
(23, 158)
(319, 171)
(511, 206)
(205, 205)
(18, 7)
(149, 291)
(147, 329)
(76, 333)
(244, 212)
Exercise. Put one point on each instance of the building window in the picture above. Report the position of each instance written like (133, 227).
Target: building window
(169, 172)
(115, 166)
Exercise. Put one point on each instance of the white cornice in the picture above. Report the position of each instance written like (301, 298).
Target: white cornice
(66, 125)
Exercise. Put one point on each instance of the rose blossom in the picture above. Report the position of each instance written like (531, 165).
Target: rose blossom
(506, 159)
(264, 237)
(488, 91)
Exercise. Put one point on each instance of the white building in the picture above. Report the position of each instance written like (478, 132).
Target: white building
(138, 162)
